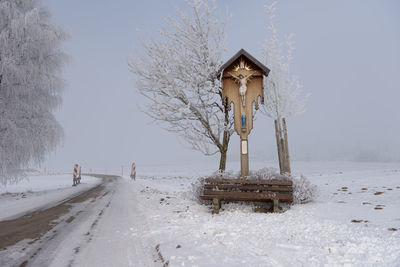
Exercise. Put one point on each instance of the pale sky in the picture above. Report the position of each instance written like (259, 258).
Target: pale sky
(347, 56)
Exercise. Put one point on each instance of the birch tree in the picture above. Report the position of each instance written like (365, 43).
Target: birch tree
(30, 85)
(178, 76)
(282, 90)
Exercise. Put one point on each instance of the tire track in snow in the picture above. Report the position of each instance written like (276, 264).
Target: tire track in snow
(89, 234)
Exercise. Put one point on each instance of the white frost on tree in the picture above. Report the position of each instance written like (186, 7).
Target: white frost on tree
(178, 75)
(282, 90)
(30, 85)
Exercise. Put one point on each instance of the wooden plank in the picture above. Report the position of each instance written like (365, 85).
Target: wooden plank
(248, 187)
(247, 181)
(254, 195)
(288, 198)
(228, 75)
(250, 194)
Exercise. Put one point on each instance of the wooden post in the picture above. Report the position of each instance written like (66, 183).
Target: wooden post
(287, 158)
(244, 157)
(278, 144)
(283, 156)
(217, 205)
(276, 205)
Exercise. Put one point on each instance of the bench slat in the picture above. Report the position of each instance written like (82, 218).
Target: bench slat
(243, 181)
(248, 187)
(246, 198)
(246, 194)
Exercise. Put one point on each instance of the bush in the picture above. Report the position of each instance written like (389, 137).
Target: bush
(196, 190)
(303, 190)
(267, 174)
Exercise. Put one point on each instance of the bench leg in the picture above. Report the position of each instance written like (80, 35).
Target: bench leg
(217, 205)
(276, 205)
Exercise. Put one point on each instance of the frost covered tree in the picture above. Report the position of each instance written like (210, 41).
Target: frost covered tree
(178, 75)
(282, 90)
(30, 85)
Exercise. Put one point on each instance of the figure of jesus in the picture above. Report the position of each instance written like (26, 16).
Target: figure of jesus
(243, 85)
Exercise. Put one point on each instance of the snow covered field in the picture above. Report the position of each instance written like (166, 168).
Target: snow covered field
(38, 191)
(355, 221)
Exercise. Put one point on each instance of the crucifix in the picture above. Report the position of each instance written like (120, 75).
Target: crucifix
(242, 85)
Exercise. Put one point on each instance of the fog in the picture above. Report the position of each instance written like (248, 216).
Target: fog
(347, 56)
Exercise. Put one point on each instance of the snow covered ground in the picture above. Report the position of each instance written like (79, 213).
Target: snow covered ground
(355, 221)
(38, 191)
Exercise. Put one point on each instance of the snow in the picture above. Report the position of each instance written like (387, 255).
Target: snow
(117, 239)
(38, 191)
(313, 234)
(155, 220)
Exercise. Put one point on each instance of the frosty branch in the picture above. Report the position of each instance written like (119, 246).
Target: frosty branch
(178, 75)
(282, 89)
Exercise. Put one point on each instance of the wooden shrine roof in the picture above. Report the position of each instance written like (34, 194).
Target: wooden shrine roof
(244, 53)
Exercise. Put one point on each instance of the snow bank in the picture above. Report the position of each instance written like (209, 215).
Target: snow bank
(39, 191)
(37, 183)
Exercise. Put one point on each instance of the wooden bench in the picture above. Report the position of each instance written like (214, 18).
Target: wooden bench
(217, 189)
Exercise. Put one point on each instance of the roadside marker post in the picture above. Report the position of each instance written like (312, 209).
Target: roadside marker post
(79, 176)
(75, 175)
(133, 172)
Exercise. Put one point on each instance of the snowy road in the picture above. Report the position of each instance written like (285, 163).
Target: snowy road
(115, 235)
(56, 235)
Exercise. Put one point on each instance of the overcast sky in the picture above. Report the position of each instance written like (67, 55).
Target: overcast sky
(347, 56)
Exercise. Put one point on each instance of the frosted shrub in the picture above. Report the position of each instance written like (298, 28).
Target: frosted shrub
(196, 190)
(267, 174)
(226, 174)
(303, 190)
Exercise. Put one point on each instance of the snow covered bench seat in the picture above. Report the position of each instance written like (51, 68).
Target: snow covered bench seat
(217, 189)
